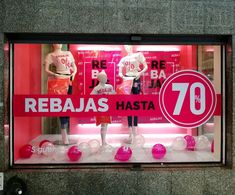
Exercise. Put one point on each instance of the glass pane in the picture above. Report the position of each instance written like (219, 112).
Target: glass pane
(57, 119)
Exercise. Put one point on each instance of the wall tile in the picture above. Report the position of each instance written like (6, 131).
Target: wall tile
(154, 182)
(219, 17)
(120, 16)
(86, 19)
(219, 181)
(119, 183)
(51, 19)
(187, 17)
(187, 182)
(87, 3)
(154, 17)
(78, 182)
(18, 16)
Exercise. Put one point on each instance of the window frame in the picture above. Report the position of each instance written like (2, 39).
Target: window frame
(226, 89)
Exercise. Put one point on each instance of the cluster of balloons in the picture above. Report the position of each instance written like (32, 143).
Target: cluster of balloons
(83, 149)
(45, 147)
(191, 143)
(48, 149)
(123, 153)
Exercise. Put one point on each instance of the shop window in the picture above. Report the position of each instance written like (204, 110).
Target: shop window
(81, 103)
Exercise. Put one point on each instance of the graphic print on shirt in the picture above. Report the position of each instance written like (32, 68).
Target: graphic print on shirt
(105, 91)
(62, 60)
(132, 63)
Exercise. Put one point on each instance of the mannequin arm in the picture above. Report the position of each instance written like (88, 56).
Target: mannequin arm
(142, 71)
(74, 70)
(120, 71)
(47, 65)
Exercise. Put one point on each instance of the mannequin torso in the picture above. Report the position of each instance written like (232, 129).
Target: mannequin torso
(62, 61)
(103, 89)
(132, 62)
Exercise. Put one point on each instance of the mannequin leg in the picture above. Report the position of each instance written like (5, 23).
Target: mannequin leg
(103, 132)
(64, 124)
(64, 135)
(133, 129)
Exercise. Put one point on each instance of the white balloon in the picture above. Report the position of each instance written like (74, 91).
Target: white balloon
(60, 153)
(202, 142)
(107, 152)
(179, 143)
(94, 145)
(85, 148)
(139, 141)
(48, 149)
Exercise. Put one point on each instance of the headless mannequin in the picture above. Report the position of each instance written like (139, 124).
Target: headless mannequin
(103, 88)
(132, 63)
(64, 62)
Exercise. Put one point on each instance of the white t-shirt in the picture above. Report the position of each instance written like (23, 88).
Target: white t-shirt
(132, 63)
(100, 89)
(62, 61)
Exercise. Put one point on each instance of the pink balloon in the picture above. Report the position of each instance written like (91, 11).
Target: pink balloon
(124, 153)
(26, 151)
(212, 146)
(43, 141)
(190, 142)
(74, 153)
(158, 151)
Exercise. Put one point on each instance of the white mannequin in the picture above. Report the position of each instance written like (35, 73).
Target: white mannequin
(132, 63)
(64, 63)
(103, 88)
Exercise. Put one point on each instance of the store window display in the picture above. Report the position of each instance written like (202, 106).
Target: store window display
(61, 80)
(131, 63)
(123, 75)
(103, 88)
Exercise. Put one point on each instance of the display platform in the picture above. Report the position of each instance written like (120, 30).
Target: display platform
(141, 150)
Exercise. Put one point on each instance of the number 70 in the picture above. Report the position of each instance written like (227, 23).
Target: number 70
(182, 88)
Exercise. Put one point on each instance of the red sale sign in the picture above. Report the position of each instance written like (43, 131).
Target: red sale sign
(187, 98)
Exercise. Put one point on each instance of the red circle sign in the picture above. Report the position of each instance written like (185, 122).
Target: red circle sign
(187, 98)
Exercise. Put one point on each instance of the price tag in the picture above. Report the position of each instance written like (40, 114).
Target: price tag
(187, 98)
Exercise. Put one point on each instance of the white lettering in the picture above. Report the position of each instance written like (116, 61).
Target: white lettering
(68, 105)
(30, 104)
(81, 105)
(90, 105)
(103, 106)
(94, 74)
(55, 105)
(154, 74)
(162, 74)
(42, 105)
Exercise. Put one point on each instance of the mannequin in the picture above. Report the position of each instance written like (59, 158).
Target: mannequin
(132, 63)
(65, 71)
(103, 88)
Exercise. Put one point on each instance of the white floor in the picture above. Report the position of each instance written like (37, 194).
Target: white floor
(141, 150)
